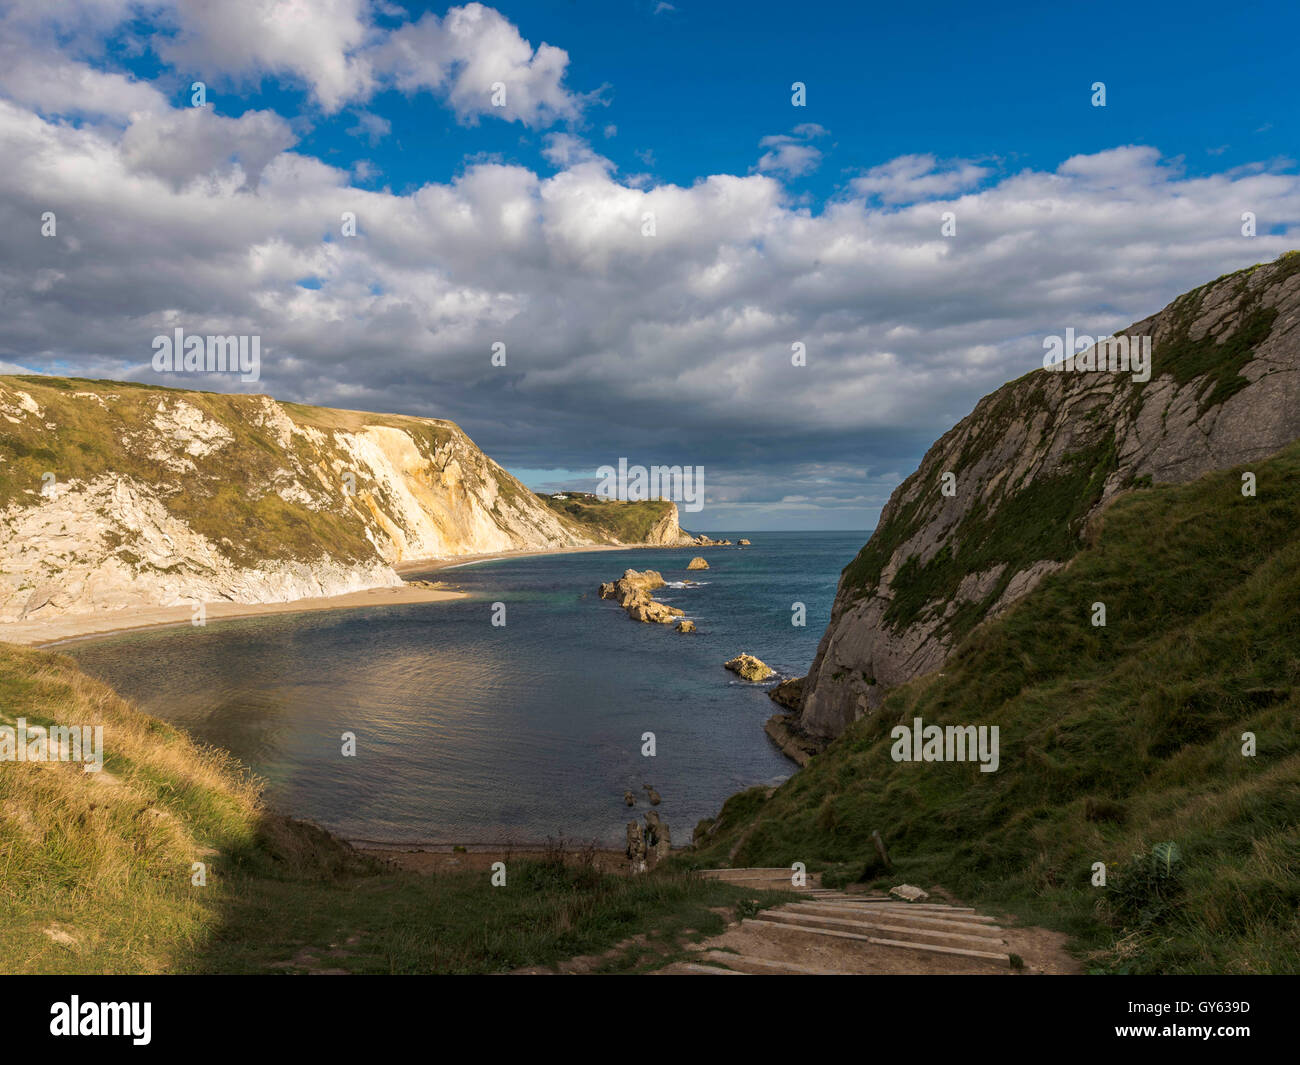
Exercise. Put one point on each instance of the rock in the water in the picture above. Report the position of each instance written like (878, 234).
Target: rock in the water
(686, 626)
(629, 798)
(663, 842)
(654, 795)
(636, 846)
(697, 563)
(657, 839)
(908, 893)
(743, 543)
(632, 592)
(747, 667)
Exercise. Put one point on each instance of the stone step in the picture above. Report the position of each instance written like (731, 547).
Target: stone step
(764, 966)
(929, 948)
(877, 924)
(702, 970)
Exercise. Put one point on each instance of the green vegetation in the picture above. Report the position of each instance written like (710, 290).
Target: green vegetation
(1221, 360)
(95, 870)
(1040, 517)
(229, 494)
(611, 519)
(1119, 744)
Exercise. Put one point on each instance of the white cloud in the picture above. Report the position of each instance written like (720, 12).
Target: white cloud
(317, 43)
(465, 55)
(668, 348)
(792, 154)
(371, 126)
(334, 48)
(910, 178)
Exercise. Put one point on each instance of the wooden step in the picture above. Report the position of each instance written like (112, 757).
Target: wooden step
(704, 970)
(880, 924)
(929, 948)
(767, 965)
(880, 900)
(773, 870)
(755, 880)
(930, 915)
(910, 920)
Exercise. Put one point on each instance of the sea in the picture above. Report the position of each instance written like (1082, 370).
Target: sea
(529, 729)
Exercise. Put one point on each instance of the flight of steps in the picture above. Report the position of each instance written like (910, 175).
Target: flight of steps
(838, 933)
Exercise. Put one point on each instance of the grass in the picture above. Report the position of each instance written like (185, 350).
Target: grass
(96, 870)
(611, 519)
(1115, 740)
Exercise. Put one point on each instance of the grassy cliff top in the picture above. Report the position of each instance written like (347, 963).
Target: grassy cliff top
(1114, 740)
(612, 519)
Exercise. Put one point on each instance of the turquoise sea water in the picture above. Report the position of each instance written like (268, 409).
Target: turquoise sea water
(470, 733)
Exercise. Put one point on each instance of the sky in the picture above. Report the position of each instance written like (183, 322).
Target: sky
(641, 207)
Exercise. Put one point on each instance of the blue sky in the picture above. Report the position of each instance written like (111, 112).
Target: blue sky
(523, 224)
(693, 90)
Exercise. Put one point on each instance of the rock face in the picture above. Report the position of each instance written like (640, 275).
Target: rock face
(697, 563)
(789, 693)
(747, 667)
(116, 496)
(668, 533)
(1036, 462)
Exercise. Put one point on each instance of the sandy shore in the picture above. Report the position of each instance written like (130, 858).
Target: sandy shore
(479, 858)
(88, 626)
(85, 626)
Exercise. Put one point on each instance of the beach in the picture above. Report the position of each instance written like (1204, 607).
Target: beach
(53, 631)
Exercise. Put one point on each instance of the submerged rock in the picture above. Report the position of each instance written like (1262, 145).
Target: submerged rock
(629, 798)
(654, 795)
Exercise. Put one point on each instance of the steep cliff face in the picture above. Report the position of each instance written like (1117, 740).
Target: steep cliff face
(115, 495)
(646, 523)
(1035, 461)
